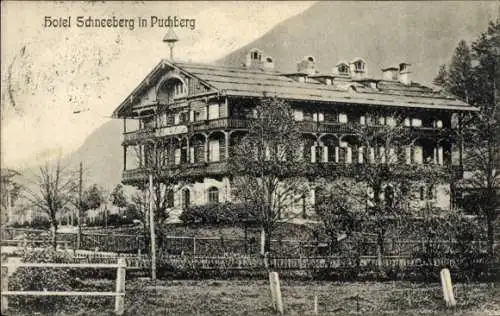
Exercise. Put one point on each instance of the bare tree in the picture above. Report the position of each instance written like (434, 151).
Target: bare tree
(53, 189)
(168, 179)
(266, 165)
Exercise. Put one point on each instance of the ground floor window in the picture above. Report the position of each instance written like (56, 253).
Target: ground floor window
(213, 195)
(186, 195)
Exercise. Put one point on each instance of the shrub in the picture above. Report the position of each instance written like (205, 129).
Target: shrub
(41, 279)
(217, 214)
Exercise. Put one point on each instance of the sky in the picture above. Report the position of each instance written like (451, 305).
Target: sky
(48, 73)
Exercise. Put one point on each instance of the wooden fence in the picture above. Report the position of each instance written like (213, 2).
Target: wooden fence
(119, 293)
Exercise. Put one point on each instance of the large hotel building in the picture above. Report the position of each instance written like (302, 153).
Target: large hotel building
(192, 114)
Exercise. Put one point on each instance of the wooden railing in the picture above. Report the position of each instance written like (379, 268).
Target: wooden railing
(218, 124)
(119, 293)
(138, 135)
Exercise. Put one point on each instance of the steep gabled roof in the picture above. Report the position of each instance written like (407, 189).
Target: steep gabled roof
(233, 81)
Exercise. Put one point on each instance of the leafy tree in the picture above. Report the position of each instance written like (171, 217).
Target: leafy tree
(442, 76)
(483, 154)
(384, 184)
(118, 197)
(339, 213)
(266, 164)
(92, 198)
(53, 189)
(456, 78)
(476, 80)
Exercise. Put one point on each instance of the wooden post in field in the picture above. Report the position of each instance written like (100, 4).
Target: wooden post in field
(276, 292)
(152, 229)
(194, 245)
(315, 304)
(262, 242)
(5, 287)
(120, 287)
(448, 295)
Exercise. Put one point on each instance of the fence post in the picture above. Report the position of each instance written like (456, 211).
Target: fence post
(449, 298)
(120, 287)
(194, 245)
(276, 292)
(315, 304)
(5, 287)
(262, 241)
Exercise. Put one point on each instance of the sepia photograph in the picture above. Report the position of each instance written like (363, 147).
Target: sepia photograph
(250, 158)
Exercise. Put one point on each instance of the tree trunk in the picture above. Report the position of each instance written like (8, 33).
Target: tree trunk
(380, 252)
(54, 234)
(267, 241)
(491, 235)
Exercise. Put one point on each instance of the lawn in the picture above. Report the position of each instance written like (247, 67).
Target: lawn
(252, 297)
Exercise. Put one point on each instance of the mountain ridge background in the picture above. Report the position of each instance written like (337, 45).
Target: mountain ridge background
(424, 34)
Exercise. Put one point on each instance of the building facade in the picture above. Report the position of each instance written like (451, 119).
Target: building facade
(190, 115)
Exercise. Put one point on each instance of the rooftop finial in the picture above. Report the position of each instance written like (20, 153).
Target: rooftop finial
(170, 38)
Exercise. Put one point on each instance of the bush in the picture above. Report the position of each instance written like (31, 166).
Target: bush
(217, 214)
(41, 279)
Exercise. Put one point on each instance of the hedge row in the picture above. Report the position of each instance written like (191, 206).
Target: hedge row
(218, 214)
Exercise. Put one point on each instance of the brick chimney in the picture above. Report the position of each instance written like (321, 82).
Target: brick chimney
(255, 60)
(359, 70)
(268, 63)
(390, 73)
(404, 73)
(307, 65)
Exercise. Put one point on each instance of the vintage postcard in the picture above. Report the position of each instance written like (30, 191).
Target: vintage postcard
(246, 157)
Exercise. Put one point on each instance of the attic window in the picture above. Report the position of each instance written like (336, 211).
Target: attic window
(269, 59)
(256, 55)
(343, 69)
(359, 66)
(310, 58)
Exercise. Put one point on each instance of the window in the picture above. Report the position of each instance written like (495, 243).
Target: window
(389, 120)
(342, 118)
(213, 150)
(170, 198)
(184, 117)
(213, 111)
(213, 195)
(416, 122)
(298, 115)
(418, 155)
(343, 68)
(186, 198)
(179, 90)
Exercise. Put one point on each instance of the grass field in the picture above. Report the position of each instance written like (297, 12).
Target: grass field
(239, 297)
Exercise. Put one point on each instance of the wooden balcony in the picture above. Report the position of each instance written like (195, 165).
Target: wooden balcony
(221, 123)
(138, 135)
(220, 168)
(184, 171)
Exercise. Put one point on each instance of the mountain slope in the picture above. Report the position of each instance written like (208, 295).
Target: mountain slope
(101, 155)
(383, 33)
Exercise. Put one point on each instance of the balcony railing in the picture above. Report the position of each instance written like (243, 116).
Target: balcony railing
(233, 123)
(218, 123)
(178, 171)
(220, 168)
(138, 135)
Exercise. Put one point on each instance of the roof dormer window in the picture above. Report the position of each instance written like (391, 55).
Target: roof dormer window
(342, 68)
(359, 66)
(256, 55)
